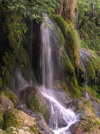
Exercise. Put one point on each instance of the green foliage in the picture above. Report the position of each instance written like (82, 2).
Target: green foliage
(33, 9)
(14, 10)
(89, 23)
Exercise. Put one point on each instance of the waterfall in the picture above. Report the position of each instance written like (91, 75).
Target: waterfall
(61, 118)
(46, 55)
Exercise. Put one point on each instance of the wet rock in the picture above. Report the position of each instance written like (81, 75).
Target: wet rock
(35, 100)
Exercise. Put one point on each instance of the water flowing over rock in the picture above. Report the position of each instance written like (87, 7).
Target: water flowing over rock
(61, 118)
(35, 100)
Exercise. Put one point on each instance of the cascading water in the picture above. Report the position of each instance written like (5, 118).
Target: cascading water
(61, 118)
(46, 57)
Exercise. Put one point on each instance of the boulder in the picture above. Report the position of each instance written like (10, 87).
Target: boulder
(35, 100)
(21, 121)
(10, 95)
(5, 102)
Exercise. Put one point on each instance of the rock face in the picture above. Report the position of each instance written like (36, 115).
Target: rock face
(89, 123)
(35, 100)
(19, 119)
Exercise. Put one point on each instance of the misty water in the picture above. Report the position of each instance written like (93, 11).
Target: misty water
(61, 118)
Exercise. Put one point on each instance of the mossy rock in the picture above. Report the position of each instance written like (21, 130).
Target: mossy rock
(8, 79)
(90, 70)
(23, 58)
(1, 117)
(5, 102)
(72, 47)
(9, 94)
(19, 119)
(35, 101)
(74, 88)
(62, 24)
(67, 65)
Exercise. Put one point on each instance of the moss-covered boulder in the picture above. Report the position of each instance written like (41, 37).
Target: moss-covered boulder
(89, 123)
(1, 117)
(35, 100)
(5, 102)
(10, 95)
(19, 119)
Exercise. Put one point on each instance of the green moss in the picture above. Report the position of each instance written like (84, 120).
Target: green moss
(62, 24)
(90, 70)
(35, 129)
(9, 130)
(87, 129)
(68, 67)
(60, 36)
(1, 82)
(23, 58)
(74, 90)
(11, 119)
(37, 103)
(8, 93)
(72, 47)
(8, 79)
(86, 102)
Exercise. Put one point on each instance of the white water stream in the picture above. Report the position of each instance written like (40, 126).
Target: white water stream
(61, 118)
